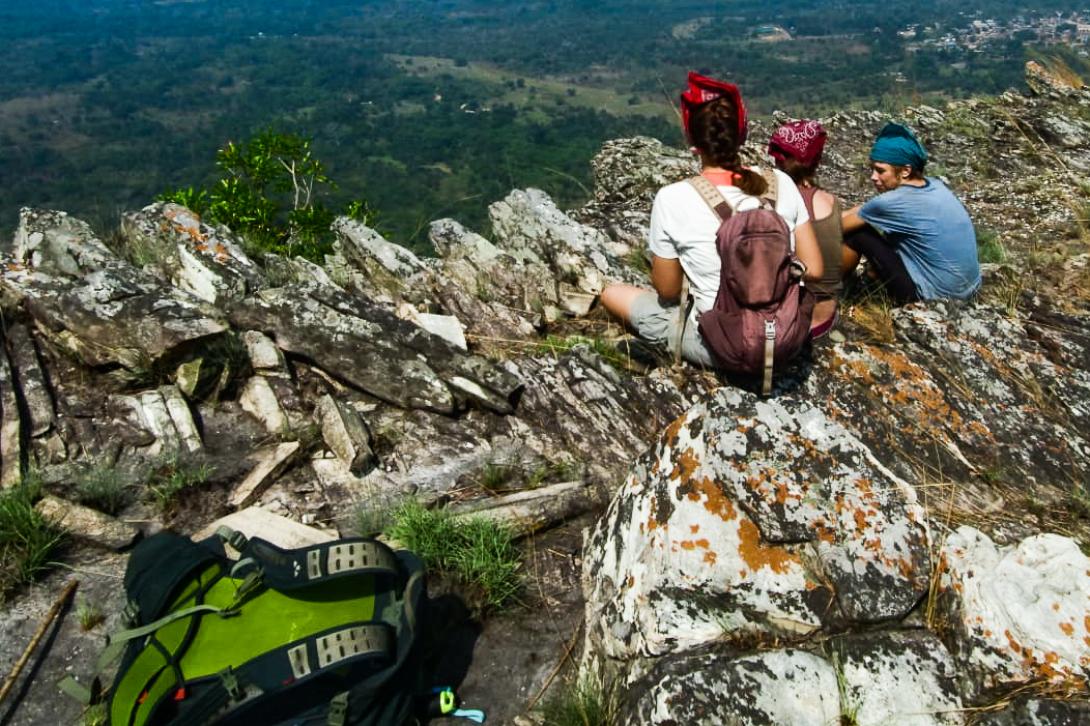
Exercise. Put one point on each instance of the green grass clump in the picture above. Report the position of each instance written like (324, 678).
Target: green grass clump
(104, 489)
(607, 351)
(88, 614)
(172, 477)
(988, 246)
(27, 539)
(583, 703)
(480, 553)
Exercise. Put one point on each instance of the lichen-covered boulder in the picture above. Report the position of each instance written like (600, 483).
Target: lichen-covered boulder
(529, 227)
(627, 175)
(750, 516)
(967, 389)
(206, 261)
(765, 689)
(1017, 613)
(55, 243)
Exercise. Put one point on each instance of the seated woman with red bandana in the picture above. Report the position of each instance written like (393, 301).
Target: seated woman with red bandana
(796, 148)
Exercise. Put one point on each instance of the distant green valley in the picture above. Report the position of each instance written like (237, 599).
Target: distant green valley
(433, 108)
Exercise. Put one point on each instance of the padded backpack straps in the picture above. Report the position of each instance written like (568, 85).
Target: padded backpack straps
(773, 191)
(711, 196)
(290, 569)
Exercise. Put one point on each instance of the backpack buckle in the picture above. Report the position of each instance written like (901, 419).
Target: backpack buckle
(770, 330)
(230, 684)
(797, 268)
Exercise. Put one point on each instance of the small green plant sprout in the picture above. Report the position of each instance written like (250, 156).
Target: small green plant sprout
(480, 553)
(581, 702)
(497, 476)
(172, 476)
(988, 246)
(96, 715)
(88, 614)
(103, 488)
(27, 539)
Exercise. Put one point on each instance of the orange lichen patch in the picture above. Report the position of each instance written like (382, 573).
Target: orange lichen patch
(221, 250)
(709, 557)
(757, 555)
(1067, 628)
(1051, 658)
(1015, 647)
(714, 500)
(14, 267)
(630, 581)
(693, 544)
(1086, 620)
(1056, 606)
(987, 633)
(200, 247)
(694, 528)
(687, 462)
(670, 435)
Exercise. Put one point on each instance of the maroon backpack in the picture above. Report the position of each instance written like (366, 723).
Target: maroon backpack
(761, 316)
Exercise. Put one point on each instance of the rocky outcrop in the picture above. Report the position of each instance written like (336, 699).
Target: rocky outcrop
(897, 535)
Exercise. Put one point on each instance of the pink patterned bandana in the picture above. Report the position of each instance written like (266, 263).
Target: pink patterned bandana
(802, 140)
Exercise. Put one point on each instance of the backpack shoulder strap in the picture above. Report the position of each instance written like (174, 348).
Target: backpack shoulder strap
(711, 196)
(773, 191)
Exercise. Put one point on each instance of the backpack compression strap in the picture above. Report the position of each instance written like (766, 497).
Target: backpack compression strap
(290, 569)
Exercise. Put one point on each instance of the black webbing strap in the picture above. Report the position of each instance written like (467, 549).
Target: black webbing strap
(291, 569)
(291, 665)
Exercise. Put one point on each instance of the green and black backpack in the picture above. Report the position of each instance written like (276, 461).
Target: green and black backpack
(327, 634)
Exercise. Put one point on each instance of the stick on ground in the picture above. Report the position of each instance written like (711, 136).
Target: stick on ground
(50, 616)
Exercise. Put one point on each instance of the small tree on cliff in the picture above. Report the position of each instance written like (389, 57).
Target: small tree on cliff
(270, 192)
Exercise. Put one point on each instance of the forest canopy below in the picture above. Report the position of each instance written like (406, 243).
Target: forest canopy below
(433, 108)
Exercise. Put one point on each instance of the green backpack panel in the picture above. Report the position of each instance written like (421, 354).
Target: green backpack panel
(326, 634)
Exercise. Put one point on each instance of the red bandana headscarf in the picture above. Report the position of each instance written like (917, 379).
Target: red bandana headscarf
(802, 140)
(703, 89)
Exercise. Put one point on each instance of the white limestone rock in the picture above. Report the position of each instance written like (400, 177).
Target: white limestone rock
(1019, 613)
(904, 678)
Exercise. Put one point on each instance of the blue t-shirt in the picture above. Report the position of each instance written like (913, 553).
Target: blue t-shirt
(932, 234)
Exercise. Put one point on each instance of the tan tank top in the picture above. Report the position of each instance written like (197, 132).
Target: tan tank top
(830, 237)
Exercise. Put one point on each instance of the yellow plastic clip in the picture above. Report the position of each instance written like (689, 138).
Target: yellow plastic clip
(446, 701)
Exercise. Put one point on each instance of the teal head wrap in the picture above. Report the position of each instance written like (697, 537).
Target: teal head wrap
(897, 145)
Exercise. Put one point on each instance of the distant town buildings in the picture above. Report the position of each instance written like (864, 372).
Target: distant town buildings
(1072, 29)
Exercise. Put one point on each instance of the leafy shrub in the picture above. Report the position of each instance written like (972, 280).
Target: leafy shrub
(269, 193)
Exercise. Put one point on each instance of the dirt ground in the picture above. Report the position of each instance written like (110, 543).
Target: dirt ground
(498, 664)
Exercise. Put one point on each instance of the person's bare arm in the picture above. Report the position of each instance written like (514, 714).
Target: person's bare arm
(807, 250)
(851, 221)
(666, 277)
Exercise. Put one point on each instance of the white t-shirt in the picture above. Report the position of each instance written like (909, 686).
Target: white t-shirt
(683, 227)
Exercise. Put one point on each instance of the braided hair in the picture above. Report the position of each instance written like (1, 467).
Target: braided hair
(713, 129)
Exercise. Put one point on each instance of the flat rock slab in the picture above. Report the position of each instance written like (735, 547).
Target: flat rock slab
(371, 349)
(270, 462)
(1020, 613)
(86, 524)
(750, 515)
(258, 522)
